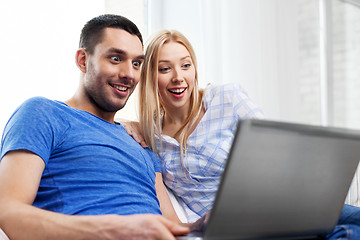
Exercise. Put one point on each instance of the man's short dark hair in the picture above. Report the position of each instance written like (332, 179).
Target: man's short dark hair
(92, 32)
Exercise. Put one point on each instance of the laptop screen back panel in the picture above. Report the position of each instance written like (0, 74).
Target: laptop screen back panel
(283, 180)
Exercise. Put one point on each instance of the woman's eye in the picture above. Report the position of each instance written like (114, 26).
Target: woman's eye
(164, 69)
(187, 65)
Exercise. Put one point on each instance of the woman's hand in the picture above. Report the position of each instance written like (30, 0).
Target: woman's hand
(133, 129)
(200, 224)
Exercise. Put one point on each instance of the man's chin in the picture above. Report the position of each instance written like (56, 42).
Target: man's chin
(119, 106)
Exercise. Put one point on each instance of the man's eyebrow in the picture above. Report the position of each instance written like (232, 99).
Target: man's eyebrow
(116, 50)
(141, 57)
(122, 52)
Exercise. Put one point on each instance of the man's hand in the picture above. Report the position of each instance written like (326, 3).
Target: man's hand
(144, 226)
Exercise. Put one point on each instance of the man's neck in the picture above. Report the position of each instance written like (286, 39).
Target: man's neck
(75, 102)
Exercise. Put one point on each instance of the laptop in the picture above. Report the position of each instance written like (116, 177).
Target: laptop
(283, 181)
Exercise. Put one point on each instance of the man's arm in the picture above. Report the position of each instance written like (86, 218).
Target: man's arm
(20, 174)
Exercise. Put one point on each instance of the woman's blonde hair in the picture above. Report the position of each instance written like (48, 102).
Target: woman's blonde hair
(151, 109)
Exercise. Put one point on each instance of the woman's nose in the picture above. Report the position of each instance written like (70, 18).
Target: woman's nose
(178, 76)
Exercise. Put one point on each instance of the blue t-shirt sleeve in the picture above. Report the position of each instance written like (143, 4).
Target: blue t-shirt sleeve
(32, 127)
(155, 159)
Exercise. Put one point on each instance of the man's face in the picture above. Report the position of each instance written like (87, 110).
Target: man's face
(113, 70)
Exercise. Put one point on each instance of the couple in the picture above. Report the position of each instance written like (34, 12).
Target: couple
(69, 171)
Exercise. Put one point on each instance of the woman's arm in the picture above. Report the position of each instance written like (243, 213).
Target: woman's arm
(168, 210)
(166, 206)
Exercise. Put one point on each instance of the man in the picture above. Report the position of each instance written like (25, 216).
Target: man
(67, 170)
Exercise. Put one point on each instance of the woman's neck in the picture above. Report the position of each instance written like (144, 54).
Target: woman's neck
(173, 122)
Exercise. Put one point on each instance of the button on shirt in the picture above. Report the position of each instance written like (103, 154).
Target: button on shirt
(195, 182)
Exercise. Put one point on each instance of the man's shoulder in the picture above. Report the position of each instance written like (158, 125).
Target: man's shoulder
(41, 104)
(39, 109)
(35, 103)
(39, 101)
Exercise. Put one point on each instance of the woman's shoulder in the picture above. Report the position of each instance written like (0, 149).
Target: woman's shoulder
(222, 88)
(227, 90)
(232, 95)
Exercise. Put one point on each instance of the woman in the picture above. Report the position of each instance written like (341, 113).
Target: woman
(191, 129)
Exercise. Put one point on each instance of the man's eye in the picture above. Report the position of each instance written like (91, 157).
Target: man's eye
(116, 59)
(137, 63)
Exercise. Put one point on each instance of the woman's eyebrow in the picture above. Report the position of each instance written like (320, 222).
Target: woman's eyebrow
(180, 59)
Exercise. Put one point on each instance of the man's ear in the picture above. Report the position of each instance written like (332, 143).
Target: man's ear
(80, 59)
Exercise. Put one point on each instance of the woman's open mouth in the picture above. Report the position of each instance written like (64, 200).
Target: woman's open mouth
(177, 91)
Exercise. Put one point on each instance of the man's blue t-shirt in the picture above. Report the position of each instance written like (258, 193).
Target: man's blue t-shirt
(92, 166)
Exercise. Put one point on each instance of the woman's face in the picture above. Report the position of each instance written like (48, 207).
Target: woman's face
(176, 76)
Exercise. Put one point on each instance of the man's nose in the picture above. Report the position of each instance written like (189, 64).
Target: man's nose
(126, 70)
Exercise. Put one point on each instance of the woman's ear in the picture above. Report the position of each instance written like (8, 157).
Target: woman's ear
(80, 59)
